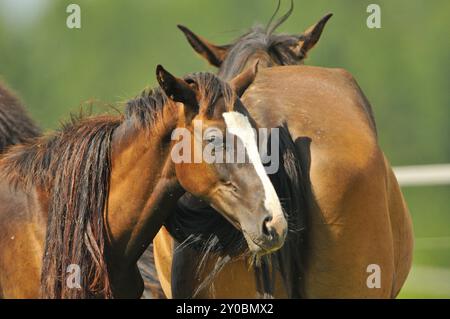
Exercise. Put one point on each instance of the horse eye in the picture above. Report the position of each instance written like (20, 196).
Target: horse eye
(216, 140)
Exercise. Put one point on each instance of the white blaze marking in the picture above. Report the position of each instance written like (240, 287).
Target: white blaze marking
(239, 125)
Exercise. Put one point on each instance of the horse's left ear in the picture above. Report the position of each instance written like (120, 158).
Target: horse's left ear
(176, 89)
(310, 37)
(242, 81)
(215, 54)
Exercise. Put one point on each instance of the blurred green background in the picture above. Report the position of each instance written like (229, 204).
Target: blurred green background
(403, 68)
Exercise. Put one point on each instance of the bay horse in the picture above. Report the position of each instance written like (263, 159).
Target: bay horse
(15, 124)
(356, 217)
(80, 206)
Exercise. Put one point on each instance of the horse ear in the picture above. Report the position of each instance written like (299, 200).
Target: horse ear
(310, 37)
(215, 54)
(177, 89)
(242, 81)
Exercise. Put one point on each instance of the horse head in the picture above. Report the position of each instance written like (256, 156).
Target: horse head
(216, 131)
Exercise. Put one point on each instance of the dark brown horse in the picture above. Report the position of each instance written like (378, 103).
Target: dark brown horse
(355, 213)
(79, 207)
(15, 124)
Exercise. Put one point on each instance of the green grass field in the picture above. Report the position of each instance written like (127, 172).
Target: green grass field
(430, 275)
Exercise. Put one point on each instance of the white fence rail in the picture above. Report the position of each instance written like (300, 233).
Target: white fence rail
(422, 175)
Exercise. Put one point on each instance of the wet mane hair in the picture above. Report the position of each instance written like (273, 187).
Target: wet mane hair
(15, 124)
(74, 165)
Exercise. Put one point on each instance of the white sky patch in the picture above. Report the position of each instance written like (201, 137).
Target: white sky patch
(239, 125)
(22, 13)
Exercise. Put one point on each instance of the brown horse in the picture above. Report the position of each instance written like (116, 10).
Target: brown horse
(79, 207)
(356, 218)
(15, 124)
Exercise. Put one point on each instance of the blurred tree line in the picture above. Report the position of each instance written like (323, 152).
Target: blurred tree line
(403, 67)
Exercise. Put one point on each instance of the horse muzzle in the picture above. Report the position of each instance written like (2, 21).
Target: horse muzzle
(269, 238)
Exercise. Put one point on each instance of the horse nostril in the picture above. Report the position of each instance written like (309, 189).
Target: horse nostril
(266, 229)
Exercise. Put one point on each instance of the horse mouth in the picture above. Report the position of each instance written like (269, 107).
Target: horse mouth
(258, 248)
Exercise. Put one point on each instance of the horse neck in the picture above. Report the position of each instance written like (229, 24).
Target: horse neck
(143, 189)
